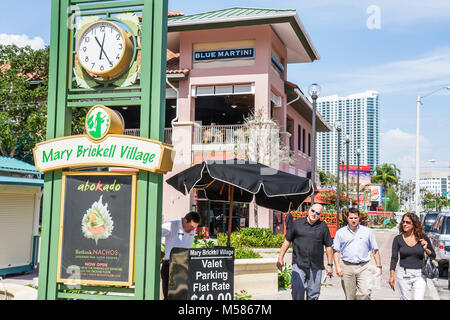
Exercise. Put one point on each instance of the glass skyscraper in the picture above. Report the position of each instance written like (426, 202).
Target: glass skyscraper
(360, 118)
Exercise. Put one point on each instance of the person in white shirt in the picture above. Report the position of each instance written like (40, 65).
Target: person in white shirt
(354, 245)
(178, 234)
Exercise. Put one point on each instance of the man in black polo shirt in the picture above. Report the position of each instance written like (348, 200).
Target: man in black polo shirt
(309, 235)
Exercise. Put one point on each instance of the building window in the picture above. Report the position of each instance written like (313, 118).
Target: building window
(299, 133)
(309, 144)
(303, 141)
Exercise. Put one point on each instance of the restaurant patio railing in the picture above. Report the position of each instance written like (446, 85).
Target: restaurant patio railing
(224, 134)
(137, 133)
(206, 135)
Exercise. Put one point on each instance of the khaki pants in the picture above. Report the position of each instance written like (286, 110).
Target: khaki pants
(355, 280)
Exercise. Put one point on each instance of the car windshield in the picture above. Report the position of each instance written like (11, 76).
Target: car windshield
(430, 219)
(447, 229)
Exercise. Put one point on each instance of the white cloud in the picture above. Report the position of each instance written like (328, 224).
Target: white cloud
(22, 40)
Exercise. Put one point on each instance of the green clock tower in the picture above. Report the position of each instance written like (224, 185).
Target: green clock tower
(109, 54)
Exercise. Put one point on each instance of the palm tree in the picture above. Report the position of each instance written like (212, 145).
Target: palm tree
(387, 175)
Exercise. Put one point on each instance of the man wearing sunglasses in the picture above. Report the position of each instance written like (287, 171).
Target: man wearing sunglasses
(308, 237)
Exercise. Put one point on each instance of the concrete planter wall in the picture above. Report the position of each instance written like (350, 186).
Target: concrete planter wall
(256, 276)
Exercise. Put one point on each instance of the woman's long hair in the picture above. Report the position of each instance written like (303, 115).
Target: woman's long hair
(419, 231)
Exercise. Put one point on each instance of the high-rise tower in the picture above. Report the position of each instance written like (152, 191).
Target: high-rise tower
(360, 118)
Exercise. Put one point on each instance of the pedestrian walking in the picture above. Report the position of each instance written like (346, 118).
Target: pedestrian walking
(178, 234)
(411, 245)
(308, 237)
(288, 222)
(353, 244)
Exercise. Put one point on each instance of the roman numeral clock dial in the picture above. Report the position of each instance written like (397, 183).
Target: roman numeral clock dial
(104, 49)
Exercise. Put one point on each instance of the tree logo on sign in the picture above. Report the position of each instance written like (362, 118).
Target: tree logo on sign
(97, 123)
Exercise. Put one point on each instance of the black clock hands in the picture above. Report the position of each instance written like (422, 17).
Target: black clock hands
(102, 50)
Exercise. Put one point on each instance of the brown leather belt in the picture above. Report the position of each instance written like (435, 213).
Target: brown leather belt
(355, 264)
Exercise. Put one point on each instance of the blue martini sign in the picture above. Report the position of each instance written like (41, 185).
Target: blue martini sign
(224, 54)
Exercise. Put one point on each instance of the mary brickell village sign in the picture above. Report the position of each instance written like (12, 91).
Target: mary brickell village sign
(100, 148)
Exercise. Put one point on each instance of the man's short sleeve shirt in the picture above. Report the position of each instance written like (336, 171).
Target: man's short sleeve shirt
(176, 237)
(308, 242)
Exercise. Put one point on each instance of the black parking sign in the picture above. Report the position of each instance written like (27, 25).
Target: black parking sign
(211, 274)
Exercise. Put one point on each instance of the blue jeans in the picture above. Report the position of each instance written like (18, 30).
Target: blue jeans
(305, 281)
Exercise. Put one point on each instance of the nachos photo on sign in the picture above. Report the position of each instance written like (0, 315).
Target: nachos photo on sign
(97, 223)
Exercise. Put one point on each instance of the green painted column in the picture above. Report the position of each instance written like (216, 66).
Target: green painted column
(152, 125)
(58, 125)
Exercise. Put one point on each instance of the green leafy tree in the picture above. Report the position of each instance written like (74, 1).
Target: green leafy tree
(394, 201)
(23, 95)
(387, 175)
(23, 101)
(432, 201)
(327, 179)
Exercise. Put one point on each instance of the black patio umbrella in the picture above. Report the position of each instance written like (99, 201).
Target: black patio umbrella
(242, 181)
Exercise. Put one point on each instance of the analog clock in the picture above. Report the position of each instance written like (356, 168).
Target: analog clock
(104, 49)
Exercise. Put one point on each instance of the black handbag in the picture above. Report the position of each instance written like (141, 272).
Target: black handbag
(429, 268)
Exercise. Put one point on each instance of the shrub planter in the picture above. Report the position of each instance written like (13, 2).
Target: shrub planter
(256, 276)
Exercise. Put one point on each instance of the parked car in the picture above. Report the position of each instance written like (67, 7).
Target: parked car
(429, 219)
(440, 240)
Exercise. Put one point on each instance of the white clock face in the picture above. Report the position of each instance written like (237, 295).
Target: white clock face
(100, 47)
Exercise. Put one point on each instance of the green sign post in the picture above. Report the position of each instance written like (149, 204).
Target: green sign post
(132, 76)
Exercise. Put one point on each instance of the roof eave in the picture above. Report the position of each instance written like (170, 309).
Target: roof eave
(177, 75)
(302, 103)
(290, 17)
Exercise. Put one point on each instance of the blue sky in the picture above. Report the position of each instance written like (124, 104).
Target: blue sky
(399, 48)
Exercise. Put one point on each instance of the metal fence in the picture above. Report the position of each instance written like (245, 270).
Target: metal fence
(225, 134)
(137, 133)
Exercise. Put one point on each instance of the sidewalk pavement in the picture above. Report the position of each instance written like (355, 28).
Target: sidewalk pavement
(333, 289)
(20, 285)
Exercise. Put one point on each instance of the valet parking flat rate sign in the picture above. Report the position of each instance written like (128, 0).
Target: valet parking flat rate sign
(211, 274)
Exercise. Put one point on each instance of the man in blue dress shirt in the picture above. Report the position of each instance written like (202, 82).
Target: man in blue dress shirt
(354, 245)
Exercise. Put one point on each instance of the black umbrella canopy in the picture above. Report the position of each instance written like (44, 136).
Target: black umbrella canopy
(272, 189)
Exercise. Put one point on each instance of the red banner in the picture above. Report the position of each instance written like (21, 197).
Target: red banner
(355, 168)
(379, 213)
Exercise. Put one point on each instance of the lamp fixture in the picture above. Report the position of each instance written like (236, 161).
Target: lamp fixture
(314, 90)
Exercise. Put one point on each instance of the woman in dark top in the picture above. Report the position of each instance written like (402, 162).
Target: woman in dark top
(410, 245)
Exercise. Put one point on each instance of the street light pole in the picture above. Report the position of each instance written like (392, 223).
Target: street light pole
(338, 127)
(358, 154)
(314, 92)
(419, 103)
(347, 142)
